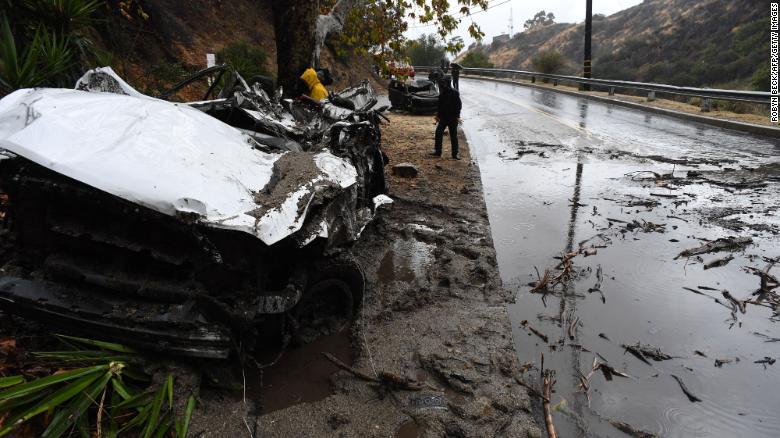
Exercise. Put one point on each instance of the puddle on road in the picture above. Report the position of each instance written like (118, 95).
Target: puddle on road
(302, 374)
(630, 288)
(406, 260)
(408, 430)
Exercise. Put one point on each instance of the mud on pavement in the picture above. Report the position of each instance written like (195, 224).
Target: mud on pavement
(434, 315)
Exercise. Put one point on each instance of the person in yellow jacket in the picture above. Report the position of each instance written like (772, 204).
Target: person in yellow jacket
(317, 91)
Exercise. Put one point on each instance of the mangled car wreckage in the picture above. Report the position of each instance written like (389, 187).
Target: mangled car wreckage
(177, 226)
(419, 96)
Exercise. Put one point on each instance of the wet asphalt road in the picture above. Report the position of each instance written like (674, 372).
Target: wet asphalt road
(554, 172)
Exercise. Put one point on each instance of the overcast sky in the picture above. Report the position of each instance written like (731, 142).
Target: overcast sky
(495, 20)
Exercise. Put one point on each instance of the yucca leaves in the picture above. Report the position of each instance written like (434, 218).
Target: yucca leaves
(65, 418)
(100, 344)
(66, 15)
(182, 426)
(37, 385)
(46, 42)
(52, 401)
(71, 397)
(46, 56)
(5, 382)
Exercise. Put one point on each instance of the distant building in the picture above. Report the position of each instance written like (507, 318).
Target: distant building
(503, 38)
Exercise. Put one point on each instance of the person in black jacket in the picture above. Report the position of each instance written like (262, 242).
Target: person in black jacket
(447, 117)
(455, 69)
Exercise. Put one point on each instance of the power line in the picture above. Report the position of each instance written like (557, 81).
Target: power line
(463, 15)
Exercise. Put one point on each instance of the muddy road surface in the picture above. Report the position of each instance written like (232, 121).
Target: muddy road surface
(639, 250)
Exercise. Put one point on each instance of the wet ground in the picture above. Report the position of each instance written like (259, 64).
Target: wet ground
(431, 351)
(623, 193)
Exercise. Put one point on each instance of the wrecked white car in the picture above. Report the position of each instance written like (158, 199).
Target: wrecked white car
(177, 226)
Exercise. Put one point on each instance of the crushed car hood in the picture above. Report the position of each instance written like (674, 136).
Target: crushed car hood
(168, 157)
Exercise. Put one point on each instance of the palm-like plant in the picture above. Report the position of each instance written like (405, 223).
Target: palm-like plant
(47, 55)
(107, 383)
(47, 43)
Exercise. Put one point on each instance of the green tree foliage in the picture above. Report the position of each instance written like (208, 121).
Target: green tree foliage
(378, 26)
(425, 50)
(549, 62)
(476, 59)
(540, 19)
(45, 42)
(760, 79)
(248, 59)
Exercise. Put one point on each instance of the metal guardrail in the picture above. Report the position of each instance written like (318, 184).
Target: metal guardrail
(705, 94)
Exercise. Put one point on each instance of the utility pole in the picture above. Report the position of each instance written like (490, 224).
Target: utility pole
(588, 31)
(511, 25)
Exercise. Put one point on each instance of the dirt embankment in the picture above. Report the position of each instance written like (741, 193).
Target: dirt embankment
(434, 312)
(172, 43)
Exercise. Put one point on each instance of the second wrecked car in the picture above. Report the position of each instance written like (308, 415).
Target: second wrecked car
(175, 226)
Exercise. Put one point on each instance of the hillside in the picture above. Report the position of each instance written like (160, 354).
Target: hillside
(681, 42)
(152, 44)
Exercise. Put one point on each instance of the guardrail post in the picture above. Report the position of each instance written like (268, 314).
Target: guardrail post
(651, 96)
(555, 83)
(533, 79)
(611, 91)
(706, 105)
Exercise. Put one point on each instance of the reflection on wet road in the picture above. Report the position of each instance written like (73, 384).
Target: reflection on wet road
(626, 192)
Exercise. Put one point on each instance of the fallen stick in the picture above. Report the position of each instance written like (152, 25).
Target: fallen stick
(708, 296)
(718, 262)
(533, 391)
(685, 390)
(573, 327)
(738, 303)
(767, 338)
(541, 335)
(631, 430)
(547, 392)
(384, 377)
(543, 281)
(722, 244)
(638, 354)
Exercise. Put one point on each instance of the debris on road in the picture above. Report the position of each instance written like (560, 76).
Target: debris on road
(740, 304)
(721, 244)
(718, 262)
(631, 430)
(385, 379)
(645, 351)
(720, 362)
(541, 335)
(686, 391)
